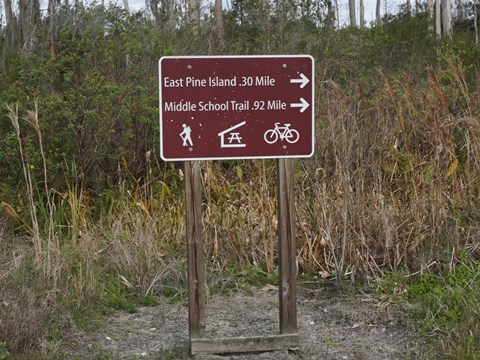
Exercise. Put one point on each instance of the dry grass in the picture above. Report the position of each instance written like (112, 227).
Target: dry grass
(22, 320)
(239, 214)
(394, 183)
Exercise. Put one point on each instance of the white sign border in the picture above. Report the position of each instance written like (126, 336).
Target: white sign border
(235, 57)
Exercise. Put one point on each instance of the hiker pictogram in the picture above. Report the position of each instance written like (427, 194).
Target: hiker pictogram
(186, 135)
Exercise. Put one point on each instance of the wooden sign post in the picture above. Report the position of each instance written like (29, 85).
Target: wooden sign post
(288, 337)
(287, 247)
(238, 107)
(195, 254)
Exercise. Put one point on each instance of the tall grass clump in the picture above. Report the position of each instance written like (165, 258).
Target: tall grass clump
(81, 265)
(394, 180)
(34, 229)
(240, 213)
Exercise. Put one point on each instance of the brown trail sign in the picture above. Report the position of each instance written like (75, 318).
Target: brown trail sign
(241, 107)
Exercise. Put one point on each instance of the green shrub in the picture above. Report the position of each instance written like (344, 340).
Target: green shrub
(449, 304)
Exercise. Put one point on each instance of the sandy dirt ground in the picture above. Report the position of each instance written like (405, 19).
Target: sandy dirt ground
(332, 324)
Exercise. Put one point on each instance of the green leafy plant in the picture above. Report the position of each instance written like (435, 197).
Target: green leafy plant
(449, 305)
(3, 350)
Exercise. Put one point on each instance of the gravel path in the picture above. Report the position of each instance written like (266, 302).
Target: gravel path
(332, 324)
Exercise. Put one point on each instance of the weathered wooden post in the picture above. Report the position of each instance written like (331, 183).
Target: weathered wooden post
(195, 253)
(287, 248)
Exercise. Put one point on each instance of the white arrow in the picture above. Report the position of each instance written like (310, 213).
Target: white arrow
(303, 105)
(303, 81)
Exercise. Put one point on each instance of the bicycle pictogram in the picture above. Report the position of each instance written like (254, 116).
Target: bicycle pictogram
(281, 132)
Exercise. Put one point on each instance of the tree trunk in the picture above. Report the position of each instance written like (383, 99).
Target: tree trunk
(475, 21)
(154, 8)
(351, 11)
(11, 24)
(447, 18)
(330, 21)
(1, 15)
(438, 18)
(362, 15)
(219, 23)
(170, 12)
(29, 14)
(126, 6)
(430, 14)
(377, 12)
(194, 9)
(52, 32)
(409, 7)
(148, 8)
(460, 10)
(337, 14)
